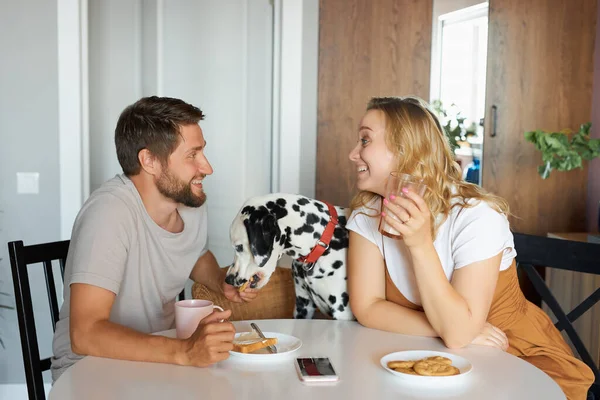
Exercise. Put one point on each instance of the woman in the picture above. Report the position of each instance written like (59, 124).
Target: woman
(453, 273)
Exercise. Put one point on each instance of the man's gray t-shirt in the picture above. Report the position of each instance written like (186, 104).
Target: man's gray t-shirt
(115, 245)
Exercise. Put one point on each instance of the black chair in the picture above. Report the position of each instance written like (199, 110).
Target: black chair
(567, 255)
(20, 257)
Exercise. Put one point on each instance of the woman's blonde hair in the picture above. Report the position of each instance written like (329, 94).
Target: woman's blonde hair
(415, 136)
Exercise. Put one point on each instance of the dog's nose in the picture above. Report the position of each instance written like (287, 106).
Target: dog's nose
(230, 279)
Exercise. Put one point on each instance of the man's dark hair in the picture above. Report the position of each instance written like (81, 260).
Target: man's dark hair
(152, 123)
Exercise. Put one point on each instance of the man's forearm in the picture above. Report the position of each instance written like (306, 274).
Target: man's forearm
(110, 340)
(207, 272)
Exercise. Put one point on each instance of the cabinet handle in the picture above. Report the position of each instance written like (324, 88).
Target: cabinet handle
(494, 120)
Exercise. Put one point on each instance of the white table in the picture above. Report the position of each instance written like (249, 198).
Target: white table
(355, 352)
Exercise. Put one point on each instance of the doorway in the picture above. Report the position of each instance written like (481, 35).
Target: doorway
(458, 78)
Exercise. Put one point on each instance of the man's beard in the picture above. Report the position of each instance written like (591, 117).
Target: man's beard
(173, 188)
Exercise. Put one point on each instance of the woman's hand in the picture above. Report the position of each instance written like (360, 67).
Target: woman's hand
(491, 336)
(410, 216)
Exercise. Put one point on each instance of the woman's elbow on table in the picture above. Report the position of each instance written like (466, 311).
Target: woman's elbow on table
(454, 339)
(363, 312)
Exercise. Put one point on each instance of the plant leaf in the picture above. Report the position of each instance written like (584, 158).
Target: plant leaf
(544, 170)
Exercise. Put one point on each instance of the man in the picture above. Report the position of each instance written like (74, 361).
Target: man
(136, 241)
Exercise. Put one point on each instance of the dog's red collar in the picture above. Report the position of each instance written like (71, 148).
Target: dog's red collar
(323, 243)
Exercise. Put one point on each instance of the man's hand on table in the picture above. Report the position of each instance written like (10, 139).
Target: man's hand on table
(211, 342)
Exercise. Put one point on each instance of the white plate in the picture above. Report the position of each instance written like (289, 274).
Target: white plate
(286, 345)
(459, 362)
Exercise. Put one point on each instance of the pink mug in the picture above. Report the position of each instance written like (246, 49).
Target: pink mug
(189, 313)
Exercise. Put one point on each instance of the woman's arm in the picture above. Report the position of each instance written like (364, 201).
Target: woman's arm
(457, 310)
(366, 286)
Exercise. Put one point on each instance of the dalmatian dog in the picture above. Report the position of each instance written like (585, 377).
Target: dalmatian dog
(266, 227)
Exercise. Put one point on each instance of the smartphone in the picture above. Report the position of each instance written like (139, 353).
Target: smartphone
(316, 370)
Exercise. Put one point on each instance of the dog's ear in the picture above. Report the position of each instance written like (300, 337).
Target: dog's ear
(261, 236)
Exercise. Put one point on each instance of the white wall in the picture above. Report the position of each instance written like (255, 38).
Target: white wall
(28, 143)
(295, 91)
(115, 77)
(217, 55)
(310, 69)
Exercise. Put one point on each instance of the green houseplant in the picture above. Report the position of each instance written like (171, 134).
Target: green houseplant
(564, 150)
(453, 123)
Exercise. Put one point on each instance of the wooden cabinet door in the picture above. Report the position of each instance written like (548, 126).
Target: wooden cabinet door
(367, 48)
(539, 76)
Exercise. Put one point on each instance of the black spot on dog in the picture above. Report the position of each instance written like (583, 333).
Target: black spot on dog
(291, 253)
(332, 299)
(301, 304)
(304, 229)
(296, 207)
(288, 233)
(340, 234)
(324, 222)
(248, 210)
(345, 299)
(277, 208)
(321, 270)
(302, 213)
(301, 301)
(239, 248)
(319, 206)
(341, 308)
(230, 279)
(262, 230)
(316, 235)
(300, 272)
(312, 219)
(318, 277)
(337, 265)
(342, 220)
(303, 201)
(331, 273)
(339, 240)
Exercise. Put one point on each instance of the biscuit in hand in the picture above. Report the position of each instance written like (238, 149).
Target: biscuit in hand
(244, 286)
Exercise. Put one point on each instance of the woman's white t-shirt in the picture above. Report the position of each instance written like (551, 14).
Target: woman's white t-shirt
(468, 235)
